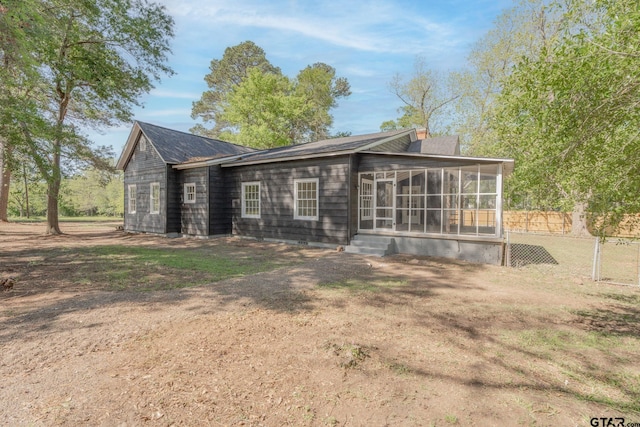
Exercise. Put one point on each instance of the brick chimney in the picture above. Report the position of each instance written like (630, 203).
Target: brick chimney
(422, 133)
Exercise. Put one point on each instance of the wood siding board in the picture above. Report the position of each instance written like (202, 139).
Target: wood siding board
(144, 168)
(174, 196)
(276, 201)
(195, 216)
(219, 203)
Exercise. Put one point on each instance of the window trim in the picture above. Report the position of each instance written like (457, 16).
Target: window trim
(130, 199)
(152, 199)
(244, 199)
(186, 193)
(296, 215)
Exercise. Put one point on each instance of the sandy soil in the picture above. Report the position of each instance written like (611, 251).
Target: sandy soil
(336, 339)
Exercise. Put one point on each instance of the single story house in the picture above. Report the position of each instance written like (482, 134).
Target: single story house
(379, 193)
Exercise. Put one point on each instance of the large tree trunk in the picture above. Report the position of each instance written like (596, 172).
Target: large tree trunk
(5, 179)
(579, 225)
(53, 191)
(53, 226)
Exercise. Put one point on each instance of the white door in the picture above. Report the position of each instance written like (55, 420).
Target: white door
(385, 204)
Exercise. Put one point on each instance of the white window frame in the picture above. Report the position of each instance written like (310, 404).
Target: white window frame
(154, 200)
(245, 200)
(189, 194)
(143, 143)
(132, 201)
(296, 199)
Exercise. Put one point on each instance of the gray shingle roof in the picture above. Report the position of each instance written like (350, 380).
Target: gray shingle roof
(176, 147)
(438, 145)
(326, 146)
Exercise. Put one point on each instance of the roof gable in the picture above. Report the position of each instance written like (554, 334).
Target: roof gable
(175, 147)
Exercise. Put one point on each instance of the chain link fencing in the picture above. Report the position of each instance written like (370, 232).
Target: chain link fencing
(617, 261)
(614, 260)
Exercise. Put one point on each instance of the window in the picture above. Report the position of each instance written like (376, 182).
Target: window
(461, 200)
(143, 143)
(305, 199)
(251, 200)
(132, 198)
(154, 201)
(190, 192)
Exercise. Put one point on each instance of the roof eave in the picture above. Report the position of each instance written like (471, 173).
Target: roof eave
(213, 162)
(287, 159)
(507, 162)
(411, 132)
(128, 147)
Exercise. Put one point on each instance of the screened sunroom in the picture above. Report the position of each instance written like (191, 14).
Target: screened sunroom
(445, 201)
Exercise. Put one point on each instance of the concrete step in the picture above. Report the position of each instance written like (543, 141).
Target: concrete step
(371, 245)
(371, 238)
(365, 250)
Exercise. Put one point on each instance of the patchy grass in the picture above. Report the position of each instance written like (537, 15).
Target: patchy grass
(593, 359)
(143, 268)
(337, 340)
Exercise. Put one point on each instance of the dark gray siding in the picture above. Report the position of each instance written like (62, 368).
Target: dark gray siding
(219, 203)
(195, 216)
(174, 200)
(276, 200)
(353, 197)
(144, 168)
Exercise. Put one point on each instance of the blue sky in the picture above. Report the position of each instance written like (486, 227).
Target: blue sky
(366, 41)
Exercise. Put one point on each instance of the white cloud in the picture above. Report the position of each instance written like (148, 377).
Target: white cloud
(373, 26)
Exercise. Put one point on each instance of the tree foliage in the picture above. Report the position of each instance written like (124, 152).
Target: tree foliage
(570, 116)
(426, 95)
(519, 32)
(88, 192)
(89, 62)
(225, 75)
(251, 102)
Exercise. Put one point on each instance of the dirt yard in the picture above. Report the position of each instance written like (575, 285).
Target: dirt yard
(107, 328)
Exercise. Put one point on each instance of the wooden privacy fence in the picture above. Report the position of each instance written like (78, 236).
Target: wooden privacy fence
(537, 221)
(558, 223)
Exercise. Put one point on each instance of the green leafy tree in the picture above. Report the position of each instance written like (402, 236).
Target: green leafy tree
(570, 116)
(225, 75)
(95, 192)
(25, 197)
(19, 29)
(519, 32)
(318, 85)
(89, 65)
(265, 110)
(112, 199)
(252, 103)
